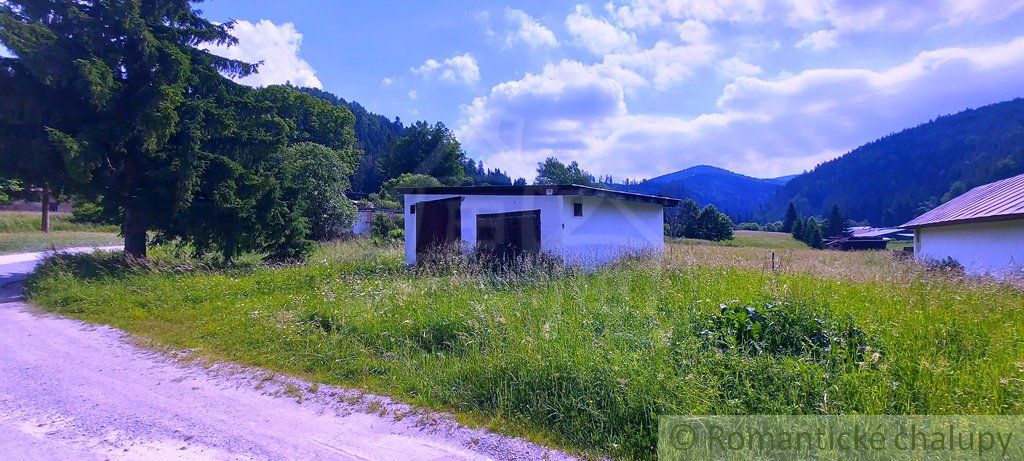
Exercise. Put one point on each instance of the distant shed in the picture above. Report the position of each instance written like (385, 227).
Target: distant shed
(983, 229)
(583, 225)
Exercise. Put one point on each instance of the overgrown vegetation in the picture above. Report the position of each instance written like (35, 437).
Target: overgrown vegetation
(587, 360)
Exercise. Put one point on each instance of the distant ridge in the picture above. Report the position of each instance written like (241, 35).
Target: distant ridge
(742, 197)
(893, 179)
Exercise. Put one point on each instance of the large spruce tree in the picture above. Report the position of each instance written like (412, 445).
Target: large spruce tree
(131, 111)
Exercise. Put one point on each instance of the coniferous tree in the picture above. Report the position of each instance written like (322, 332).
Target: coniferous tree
(791, 218)
(681, 219)
(798, 228)
(150, 124)
(835, 223)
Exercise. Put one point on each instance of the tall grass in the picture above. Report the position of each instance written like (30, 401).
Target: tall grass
(586, 360)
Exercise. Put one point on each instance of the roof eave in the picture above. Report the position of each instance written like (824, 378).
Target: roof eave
(996, 218)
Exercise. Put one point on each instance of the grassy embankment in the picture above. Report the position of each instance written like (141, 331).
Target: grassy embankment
(20, 231)
(587, 361)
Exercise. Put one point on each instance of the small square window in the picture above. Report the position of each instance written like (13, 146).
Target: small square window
(412, 209)
(577, 209)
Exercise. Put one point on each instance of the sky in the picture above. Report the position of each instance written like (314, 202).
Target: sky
(639, 88)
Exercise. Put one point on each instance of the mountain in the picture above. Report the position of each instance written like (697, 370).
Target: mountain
(893, 179)
(742, 197)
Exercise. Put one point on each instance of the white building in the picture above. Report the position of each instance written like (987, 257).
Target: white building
(983, 229)
(364, 218)
(583, 225)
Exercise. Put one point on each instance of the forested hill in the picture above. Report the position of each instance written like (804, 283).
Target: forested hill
(375, 134)
(741, 197)
(893, 179)
(378, 137)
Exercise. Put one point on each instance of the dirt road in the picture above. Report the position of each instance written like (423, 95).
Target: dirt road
(69, 390)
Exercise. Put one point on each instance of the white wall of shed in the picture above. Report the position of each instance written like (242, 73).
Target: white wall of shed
(982, 248)
(610, 229)
(361, 225)
(550, 207)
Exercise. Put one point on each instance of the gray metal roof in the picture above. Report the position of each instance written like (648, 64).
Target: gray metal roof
(555, 189)
(997, 201)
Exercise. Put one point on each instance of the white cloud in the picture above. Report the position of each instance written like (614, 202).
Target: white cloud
(820, 40)
(762, 127)
(597, 35)
(736, 67)
(386, 81)
(4, 52)
(414, 95)
(642, 14)
(527, 31)
(665, 64)
(484, 18)
(277, 46)
(461, 68)
(693, 31)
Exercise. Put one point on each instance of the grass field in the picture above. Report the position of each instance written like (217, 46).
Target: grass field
(20, 231)
(587, 361)
(752, 239)
(25, 221)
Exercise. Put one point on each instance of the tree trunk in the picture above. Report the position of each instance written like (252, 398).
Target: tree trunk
(46, 211)
(134, 231)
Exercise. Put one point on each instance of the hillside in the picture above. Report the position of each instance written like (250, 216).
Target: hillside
(741, 197)
(374, 135)
(897, 177)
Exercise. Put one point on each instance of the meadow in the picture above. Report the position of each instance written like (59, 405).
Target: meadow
(20, 231)
(585, 361)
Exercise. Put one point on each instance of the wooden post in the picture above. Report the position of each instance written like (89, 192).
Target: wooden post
(46, 211)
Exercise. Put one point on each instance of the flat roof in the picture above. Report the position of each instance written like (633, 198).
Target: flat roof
(997, 201)
(557, 189)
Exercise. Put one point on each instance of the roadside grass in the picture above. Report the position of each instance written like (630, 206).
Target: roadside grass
(751, 239)
(26, 221)
(586, 360)
(17, 242)
(20, 232)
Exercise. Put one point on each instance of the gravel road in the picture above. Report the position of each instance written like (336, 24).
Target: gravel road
(70, 390)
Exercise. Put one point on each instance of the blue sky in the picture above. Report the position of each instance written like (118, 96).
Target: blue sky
(636, 88)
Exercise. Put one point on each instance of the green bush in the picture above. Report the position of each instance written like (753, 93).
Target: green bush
(388, 227)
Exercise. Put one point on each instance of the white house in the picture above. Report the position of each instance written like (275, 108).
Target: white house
(983, 229)
(585, 226)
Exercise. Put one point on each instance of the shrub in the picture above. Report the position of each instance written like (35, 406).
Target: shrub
(786, 329)
(750, 226)
(387, 227)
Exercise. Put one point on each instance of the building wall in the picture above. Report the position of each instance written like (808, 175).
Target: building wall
(361, 225)
(610, 229)
(550, 207)
(982, 248)
(607, 229)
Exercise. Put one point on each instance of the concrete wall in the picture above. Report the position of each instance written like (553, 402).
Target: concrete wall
(982, 248)
(361, 225)
(607, 229)
(550, 207)
(610, 229)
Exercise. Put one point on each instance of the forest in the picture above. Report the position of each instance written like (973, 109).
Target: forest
(916, 169)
